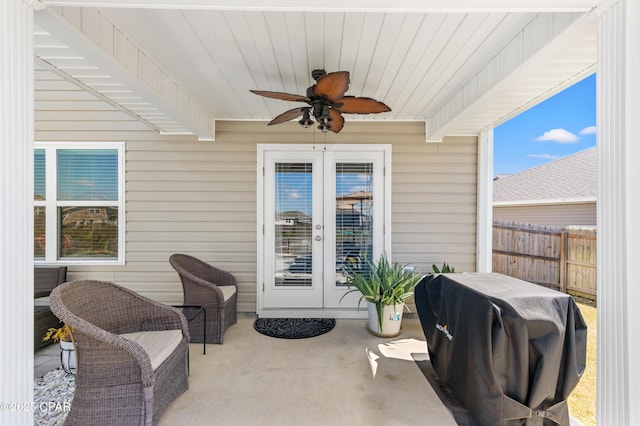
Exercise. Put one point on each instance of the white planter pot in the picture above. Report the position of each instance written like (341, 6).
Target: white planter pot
(391, 320)
(68, 357)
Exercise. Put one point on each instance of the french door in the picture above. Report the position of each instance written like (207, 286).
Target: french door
(323, 212)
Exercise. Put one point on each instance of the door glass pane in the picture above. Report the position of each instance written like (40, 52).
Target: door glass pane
(293, 221)
(354, 217)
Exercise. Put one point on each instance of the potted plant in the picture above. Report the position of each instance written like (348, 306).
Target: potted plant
(385, 286)
(67, 341)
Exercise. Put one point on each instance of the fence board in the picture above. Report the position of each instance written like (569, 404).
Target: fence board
(582, 260)
(560, 258)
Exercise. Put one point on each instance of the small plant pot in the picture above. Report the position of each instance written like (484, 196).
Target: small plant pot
(391, 320)
(68, 356)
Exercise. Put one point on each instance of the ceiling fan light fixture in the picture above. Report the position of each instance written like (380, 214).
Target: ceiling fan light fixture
(325, 119)
(324, 127)
(317, 109)
(325, 114)
(306, 120)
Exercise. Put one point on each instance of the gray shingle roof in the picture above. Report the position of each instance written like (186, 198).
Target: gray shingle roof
(570, 177)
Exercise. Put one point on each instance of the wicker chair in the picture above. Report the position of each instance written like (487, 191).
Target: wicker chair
(213, 289)
(116, 382)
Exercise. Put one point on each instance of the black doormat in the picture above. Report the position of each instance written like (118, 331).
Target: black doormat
(294, 328)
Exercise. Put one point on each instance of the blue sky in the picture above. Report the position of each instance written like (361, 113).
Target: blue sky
(561, 125)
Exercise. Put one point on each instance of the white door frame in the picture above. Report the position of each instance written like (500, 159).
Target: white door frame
(339, 312)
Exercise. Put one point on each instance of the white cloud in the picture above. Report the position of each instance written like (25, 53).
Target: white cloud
(558, 135)
(293, 194)
(588, 130)
(544, 156)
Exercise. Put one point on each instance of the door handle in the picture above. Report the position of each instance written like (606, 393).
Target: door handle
(318, 238)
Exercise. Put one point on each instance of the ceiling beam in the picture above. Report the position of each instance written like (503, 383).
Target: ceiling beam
(541, 41)
(399, 6)
(92, 35)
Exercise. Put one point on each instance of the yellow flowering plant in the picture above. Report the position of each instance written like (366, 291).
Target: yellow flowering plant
(64, 333)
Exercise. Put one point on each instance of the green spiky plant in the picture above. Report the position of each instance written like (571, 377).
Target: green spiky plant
(444, 270)
(382, 283)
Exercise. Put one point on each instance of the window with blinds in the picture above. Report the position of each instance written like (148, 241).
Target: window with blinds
(78, 194)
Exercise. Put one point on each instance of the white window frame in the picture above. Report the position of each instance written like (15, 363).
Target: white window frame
(51, 203)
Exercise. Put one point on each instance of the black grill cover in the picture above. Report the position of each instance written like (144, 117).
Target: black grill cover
(511, 350)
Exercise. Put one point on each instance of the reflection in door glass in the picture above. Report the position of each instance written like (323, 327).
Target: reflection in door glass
(293, 255)
(354, 217)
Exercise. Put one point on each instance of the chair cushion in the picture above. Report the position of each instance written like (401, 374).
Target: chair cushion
(227, 291)
(157, 344)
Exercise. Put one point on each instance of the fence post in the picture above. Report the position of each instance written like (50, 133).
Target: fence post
(563, 261)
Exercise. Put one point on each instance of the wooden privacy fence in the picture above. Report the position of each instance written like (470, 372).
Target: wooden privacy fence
(560, 258)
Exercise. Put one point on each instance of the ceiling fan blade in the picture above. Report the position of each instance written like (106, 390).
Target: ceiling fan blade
(358, 105)
(337, 120)
(281, 95)
(334, 85)
(287, 116)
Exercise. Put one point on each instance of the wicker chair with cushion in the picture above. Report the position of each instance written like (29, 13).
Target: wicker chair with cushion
(131, 353)
(213, 289)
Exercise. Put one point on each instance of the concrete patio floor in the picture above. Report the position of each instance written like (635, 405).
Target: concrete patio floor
(344, 377)
(325, 380)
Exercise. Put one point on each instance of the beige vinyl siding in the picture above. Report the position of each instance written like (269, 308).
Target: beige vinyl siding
(434, 203)
(195, 197)
(560, 214)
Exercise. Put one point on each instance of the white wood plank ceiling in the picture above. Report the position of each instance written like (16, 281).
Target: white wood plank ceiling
(432, 67)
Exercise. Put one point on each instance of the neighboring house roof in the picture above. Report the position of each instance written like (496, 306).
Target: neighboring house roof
(572, 178)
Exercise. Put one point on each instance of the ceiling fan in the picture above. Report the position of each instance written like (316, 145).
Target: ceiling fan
(327, 102)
